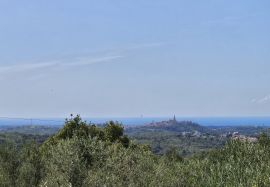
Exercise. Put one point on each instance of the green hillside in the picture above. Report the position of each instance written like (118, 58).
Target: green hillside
(82, 154)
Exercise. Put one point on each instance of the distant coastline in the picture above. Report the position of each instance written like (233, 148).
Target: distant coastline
(204, 121)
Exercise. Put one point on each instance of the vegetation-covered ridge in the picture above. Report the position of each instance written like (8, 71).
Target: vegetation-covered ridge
(188, 137)
(82, 154)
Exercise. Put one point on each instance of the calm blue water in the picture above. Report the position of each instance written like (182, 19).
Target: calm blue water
(205, 121)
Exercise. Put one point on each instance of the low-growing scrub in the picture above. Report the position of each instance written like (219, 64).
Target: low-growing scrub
(82, 154)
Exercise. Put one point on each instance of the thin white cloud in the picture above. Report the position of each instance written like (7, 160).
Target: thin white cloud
(26, 67)
(88, 61)
(80, 61)
(262, 100)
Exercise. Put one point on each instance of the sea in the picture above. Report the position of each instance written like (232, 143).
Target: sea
(133, 121)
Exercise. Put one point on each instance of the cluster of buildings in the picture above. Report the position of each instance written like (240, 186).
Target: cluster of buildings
(238, 136)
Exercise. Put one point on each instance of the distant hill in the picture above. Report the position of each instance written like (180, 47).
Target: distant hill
(30, 129)
(173, 126)
(186, 136)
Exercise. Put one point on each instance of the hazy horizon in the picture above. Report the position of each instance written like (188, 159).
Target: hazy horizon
(131, 121)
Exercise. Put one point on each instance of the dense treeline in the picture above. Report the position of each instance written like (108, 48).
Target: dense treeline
(162, 141)
(82, 154)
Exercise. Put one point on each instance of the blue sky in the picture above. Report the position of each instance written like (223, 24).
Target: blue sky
(126, 58)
